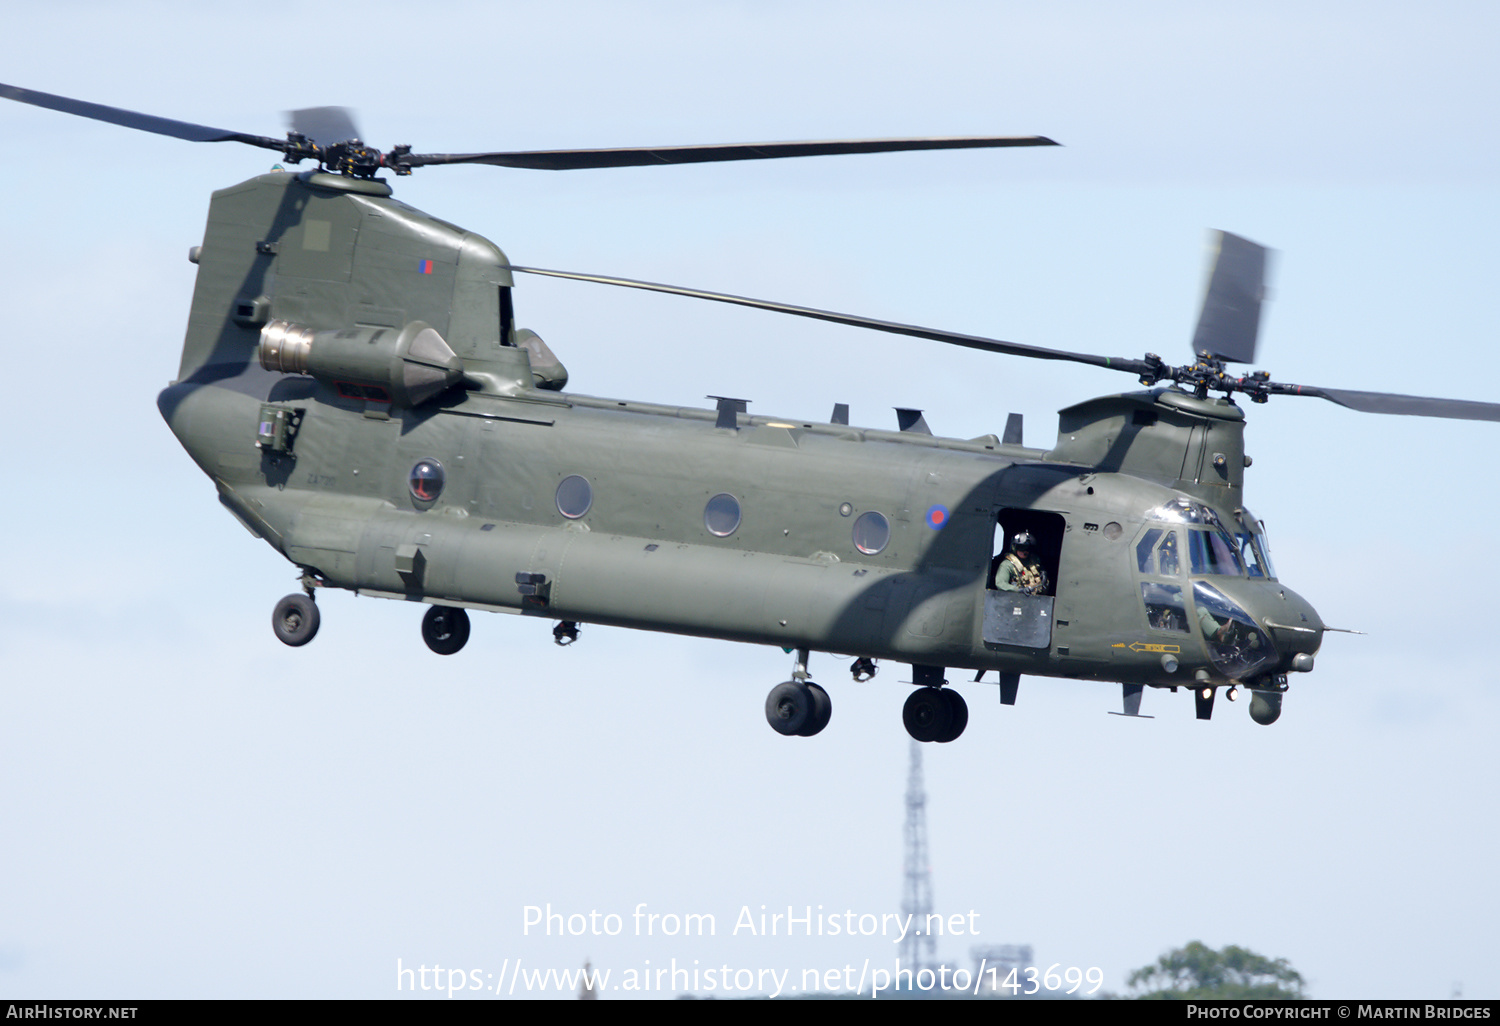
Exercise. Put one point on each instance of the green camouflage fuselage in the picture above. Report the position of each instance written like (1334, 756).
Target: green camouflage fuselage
(332, 494)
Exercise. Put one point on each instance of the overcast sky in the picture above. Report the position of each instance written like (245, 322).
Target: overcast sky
(190, 809)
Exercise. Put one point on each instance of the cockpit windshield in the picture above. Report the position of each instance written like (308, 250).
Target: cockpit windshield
(1213, 552)
(1214, 549)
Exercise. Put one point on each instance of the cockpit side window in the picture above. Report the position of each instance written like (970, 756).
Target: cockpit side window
(1164, 608)
(1263, 548)
(1156, 553)
(1166, 556)
(1146, 549)
(1254, 549)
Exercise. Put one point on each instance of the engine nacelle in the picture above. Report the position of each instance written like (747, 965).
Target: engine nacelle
(405, 367)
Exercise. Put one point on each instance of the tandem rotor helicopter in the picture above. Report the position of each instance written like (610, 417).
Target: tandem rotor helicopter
(354, 382)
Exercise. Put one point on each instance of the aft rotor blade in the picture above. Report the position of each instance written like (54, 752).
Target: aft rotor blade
(324, 125)
(1229, 322)
(937, 335)
(1407, 405)
(638, 156)
(134, 119)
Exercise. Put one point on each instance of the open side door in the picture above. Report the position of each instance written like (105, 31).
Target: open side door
(1013, 617)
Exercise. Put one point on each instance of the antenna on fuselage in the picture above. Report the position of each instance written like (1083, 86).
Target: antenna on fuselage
(1012, 430)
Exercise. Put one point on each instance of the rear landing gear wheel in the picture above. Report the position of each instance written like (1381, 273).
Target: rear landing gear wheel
(295, 620)
(791, 708)
(959, 711)
(928, 715)
(445, 629)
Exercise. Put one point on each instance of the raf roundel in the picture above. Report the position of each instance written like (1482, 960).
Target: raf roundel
(937, 516)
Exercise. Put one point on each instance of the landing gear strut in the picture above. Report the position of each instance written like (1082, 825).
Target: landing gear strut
(445, 629)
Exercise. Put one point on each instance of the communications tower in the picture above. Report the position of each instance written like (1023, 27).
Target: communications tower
(918, 950)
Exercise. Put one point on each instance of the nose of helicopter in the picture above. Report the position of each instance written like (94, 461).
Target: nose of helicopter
(1295, 626)
(1289, 620)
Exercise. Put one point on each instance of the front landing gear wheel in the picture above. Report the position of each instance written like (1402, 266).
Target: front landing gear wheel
(928, 715)
(445, 629)
(295, 620)
(791, 708)
(822, 710)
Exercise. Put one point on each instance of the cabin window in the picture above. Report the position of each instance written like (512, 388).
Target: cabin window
(872, 533)
(722, 515)
(426, 480)
(574, 497)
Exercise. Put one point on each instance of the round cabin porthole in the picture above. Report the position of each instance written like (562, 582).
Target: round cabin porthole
(426, 481)
(872, 533)
(722, 515)
(574, 497)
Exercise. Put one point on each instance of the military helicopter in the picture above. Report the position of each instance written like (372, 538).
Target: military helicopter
(354, 382)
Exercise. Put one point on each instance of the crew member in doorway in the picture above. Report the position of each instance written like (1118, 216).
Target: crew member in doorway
(1020, 570)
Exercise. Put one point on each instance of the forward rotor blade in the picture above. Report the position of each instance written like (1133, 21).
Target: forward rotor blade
(1151, 368)
(324, 125)
(1229, 322)
(1407, 405)
(915, 331)
(637, 156)
(134, 119)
